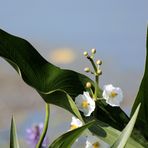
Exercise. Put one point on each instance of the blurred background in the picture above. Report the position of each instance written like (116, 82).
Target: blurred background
(61, 31)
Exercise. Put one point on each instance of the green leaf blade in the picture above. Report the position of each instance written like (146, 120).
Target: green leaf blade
(142, 96)
(42, 75)
(123, 138)
(13, 135)
(67, 139)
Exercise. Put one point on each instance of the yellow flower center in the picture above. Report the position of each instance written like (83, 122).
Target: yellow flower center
(96, 145)
(85, 104)
(113, 94)
(73, 126)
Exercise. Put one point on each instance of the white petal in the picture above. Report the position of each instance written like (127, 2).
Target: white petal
(85, 97)
(76, 121)
(113, 101)
(91, 139)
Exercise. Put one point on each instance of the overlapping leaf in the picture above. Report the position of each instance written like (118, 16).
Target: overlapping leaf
(67, 139)
(123, 138)
(142, 97)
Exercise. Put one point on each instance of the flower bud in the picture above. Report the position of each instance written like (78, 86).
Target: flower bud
(99, 72)
(85, 53)
(98, 62)
(88, 85)
(93, 51)
(87, 69)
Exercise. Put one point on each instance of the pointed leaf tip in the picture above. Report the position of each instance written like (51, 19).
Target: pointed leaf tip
(125, 135)
(13, 135)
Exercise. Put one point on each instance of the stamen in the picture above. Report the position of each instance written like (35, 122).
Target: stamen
(85, 104)
(113, 94)
(73, 126)
(96, 145)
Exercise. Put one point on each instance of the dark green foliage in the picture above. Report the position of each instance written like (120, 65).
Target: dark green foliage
(142, 96)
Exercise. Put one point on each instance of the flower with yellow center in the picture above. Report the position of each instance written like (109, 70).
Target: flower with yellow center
(75, 123)
(94, 142)
(85, 103)
(112, 95)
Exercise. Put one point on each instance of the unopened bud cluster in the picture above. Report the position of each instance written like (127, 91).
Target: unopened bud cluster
(93, 51)
(96, 72)
(96, 65)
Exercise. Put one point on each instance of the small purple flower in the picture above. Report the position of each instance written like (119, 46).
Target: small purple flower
(33, 135)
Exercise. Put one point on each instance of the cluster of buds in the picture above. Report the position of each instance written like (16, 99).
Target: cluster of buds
(96, 65)
(96, 72)
(93, 51)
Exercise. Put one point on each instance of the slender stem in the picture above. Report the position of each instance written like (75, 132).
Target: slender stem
(96, 85)
(39, 144)
(91, 92)
(96, 77)
(93, 64)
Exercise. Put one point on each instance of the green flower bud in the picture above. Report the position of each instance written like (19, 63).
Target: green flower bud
(93, 51)
(88, 85)
(85, 53)
(87, 69)
(98, 62)
(99, 72)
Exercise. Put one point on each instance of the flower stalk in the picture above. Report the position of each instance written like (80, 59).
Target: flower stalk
(47, 110)
(96, 76)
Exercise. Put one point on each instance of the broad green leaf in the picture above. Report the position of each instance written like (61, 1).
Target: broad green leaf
(56, 86)
(67, 139)
(13, 135)
(45, 128)
(123, 138)
(142, 96)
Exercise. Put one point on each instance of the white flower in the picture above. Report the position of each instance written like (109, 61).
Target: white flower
(95, 142)
(75, 123)
(85, 103)
(112, 95)
(80, 142)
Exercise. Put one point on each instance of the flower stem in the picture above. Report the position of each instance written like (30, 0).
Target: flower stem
(47, 110)
(96, 77)
(93, 64)
(96, 86)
